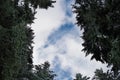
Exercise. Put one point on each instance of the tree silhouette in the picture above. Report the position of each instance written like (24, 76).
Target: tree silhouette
(80, 77)
(100, 21)
(16, 38)
(100, 75)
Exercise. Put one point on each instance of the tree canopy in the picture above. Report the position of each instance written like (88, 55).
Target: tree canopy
(79, 76)
(100, 75)
(100, 21)
(16, 37)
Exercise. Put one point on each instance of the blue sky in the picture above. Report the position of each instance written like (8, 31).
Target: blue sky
(57, 40)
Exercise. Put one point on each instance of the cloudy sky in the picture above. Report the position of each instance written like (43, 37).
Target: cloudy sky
(57, 40)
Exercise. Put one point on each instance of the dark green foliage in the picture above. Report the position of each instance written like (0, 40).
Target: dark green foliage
(16, 38)
(15, 51)
(14, 12)
(5, 48)
(100, 20)
(39, 72)
(41, 3)
(80, 77)
(43, 72)
(100, 75)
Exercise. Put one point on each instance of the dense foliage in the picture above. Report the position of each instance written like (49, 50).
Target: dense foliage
(80, 77)
(100, 21)
(100, 75)
(16, 37)
(40, 72)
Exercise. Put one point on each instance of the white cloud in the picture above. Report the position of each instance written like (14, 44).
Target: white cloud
(75, 59)
(47, 21)
(67, 49)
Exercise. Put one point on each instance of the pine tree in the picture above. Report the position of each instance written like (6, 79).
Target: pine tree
(16, 38)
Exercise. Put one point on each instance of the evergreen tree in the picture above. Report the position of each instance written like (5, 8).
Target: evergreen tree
(43, 72)
(39, 72)
(100, 21)
(80, 77)
(16, 37)
(100, 75)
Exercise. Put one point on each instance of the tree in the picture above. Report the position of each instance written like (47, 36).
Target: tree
(39, 72)
(100, 21)
(16, 37)
(14, 12)
(100, 75)
(80, 77)
(43, 72)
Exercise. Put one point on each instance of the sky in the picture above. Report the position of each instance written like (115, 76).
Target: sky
(57, 40)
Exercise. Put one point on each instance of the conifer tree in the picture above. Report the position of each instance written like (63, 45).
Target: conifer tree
(100, 21)
(79, 76)
(16, 37)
